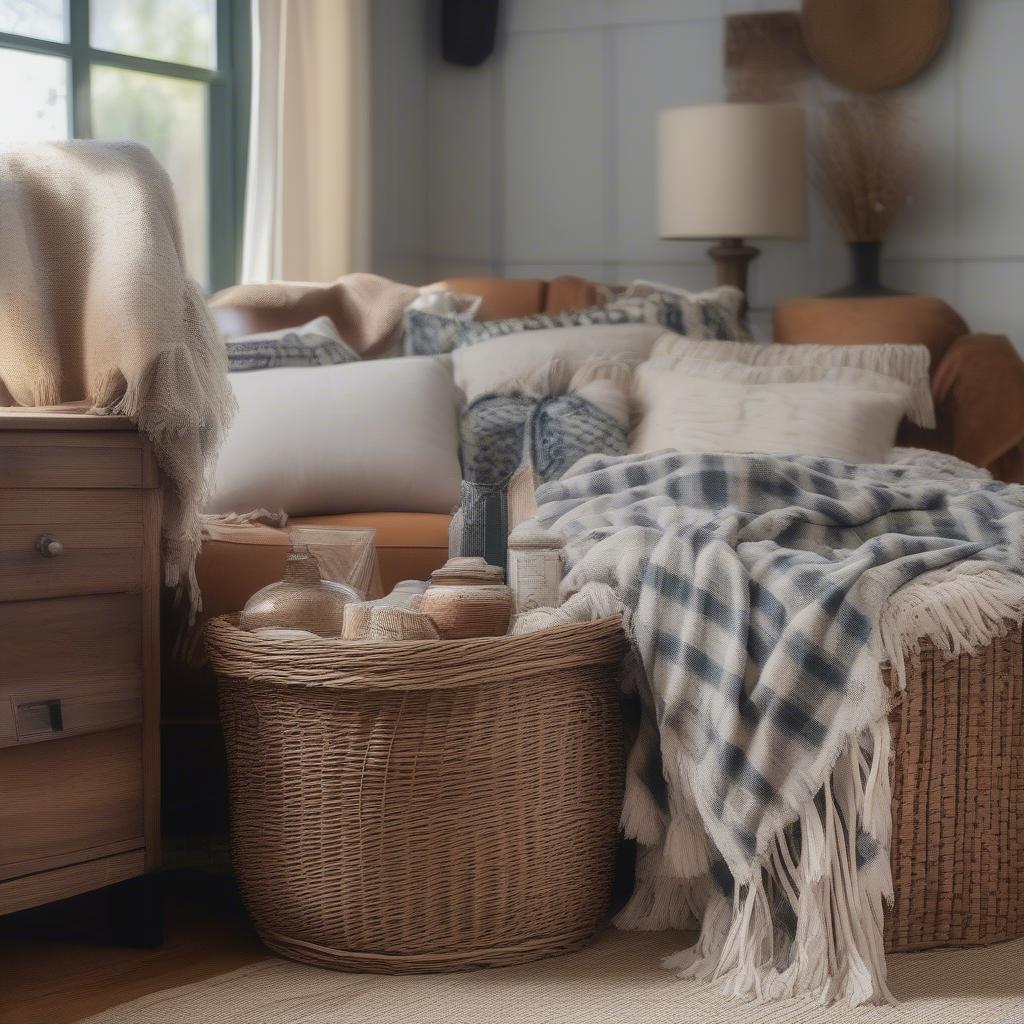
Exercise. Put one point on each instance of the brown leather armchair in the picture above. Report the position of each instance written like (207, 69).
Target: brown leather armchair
(977, 379)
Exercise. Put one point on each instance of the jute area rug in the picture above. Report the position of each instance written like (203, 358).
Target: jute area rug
(617, 980)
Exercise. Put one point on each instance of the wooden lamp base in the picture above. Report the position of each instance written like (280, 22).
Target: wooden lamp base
(732, 258)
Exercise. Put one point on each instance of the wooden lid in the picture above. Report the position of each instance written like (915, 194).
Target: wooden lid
(870, 45)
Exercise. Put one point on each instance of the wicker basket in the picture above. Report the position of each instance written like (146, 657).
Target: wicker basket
(423, 805)
(957, 773)
(958, 800)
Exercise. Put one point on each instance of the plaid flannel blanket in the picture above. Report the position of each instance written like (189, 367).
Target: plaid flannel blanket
(754, 590)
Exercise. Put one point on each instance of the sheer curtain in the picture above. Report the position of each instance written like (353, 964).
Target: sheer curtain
(307, 185)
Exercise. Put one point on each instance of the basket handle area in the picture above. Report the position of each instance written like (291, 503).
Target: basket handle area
(410, 664)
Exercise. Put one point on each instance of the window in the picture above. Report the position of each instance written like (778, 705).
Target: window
(172, 74)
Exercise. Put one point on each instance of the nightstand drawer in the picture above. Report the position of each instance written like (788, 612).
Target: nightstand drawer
(79, 654)
(62, 460)
(70, 666)
(70, 801)
(55, 543)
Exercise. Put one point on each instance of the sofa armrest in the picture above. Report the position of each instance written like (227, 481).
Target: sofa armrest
(895, 320)
(978, 388)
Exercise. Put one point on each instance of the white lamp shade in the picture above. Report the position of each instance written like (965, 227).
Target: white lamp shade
(734, 170)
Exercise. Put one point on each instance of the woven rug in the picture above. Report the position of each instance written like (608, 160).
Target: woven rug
(617, 980)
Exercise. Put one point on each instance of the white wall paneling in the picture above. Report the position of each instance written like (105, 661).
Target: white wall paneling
(542, 160)
(399, 30)
(460, 161)
(554, 203)
(992, 296)
(654, 66)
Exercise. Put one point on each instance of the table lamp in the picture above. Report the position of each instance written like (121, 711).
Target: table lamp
(729, 172)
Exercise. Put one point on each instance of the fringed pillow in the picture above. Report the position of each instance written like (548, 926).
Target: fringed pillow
(835, 412)
(905, 363)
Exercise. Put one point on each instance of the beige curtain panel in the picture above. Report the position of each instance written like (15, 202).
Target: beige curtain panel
(307, 187)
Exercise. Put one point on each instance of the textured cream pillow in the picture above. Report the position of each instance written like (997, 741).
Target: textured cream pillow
(490, 365)
(706, 406)
(908, 363)
(373, 436)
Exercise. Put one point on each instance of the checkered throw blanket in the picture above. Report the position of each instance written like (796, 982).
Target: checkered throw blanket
(758, 594)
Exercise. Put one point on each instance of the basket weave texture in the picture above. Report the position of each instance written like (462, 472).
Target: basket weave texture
(353, 849)
(958, 799)
(423, 805)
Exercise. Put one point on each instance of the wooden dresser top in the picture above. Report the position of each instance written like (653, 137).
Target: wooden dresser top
(60, 417)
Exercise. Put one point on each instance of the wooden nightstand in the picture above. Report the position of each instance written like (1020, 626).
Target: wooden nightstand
(79, 656)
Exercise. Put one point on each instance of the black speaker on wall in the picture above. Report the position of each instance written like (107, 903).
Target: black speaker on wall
(467, 30)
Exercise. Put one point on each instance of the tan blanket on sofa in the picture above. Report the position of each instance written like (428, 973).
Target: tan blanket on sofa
(96, 304)
(366, 308)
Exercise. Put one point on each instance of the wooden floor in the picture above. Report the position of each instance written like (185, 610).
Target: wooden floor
(43, 981)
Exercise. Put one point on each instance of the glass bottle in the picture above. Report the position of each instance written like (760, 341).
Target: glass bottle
(300, 601)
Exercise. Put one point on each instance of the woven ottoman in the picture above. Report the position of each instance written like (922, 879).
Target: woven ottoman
(958, 799)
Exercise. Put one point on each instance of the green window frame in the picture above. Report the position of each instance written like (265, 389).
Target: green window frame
(227, 120)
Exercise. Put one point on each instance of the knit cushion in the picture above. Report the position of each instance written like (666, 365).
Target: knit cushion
(434, 319)
(545, 423)
(906, 363)
(314, 344)
(706, 406)
(719, 313)
(430, 333)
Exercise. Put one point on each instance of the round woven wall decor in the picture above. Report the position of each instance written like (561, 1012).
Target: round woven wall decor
(870, 45)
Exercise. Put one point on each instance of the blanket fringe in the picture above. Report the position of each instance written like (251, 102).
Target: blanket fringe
(185, 436)
(641, 817)
(659, 900)
(960, 611)
(835, 888)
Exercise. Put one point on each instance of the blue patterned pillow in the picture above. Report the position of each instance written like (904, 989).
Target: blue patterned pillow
(434, 319)
(476, 331)
(719, 314)
(314, 344)
(563, 428)
(431, 333)
(502, 433)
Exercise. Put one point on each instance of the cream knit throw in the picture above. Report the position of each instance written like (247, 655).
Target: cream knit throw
(96, 304)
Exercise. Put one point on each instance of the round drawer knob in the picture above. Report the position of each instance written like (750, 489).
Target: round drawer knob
(49, 547)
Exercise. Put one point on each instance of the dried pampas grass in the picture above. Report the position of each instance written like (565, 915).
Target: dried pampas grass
(866, 158)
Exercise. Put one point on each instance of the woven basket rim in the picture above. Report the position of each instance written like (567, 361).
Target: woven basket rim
(326, 662)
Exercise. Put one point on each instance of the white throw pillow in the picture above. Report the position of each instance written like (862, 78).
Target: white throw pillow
(705, 406)
(491, 365)
(908, 363)
(375, 436)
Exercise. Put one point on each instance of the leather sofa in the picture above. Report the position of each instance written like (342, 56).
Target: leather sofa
(237, 560)
(978, 381)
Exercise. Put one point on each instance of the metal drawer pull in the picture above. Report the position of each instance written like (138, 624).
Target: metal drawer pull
(49, 547)
(39, 716)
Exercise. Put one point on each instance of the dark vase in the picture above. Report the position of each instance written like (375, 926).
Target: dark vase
(866, 261)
